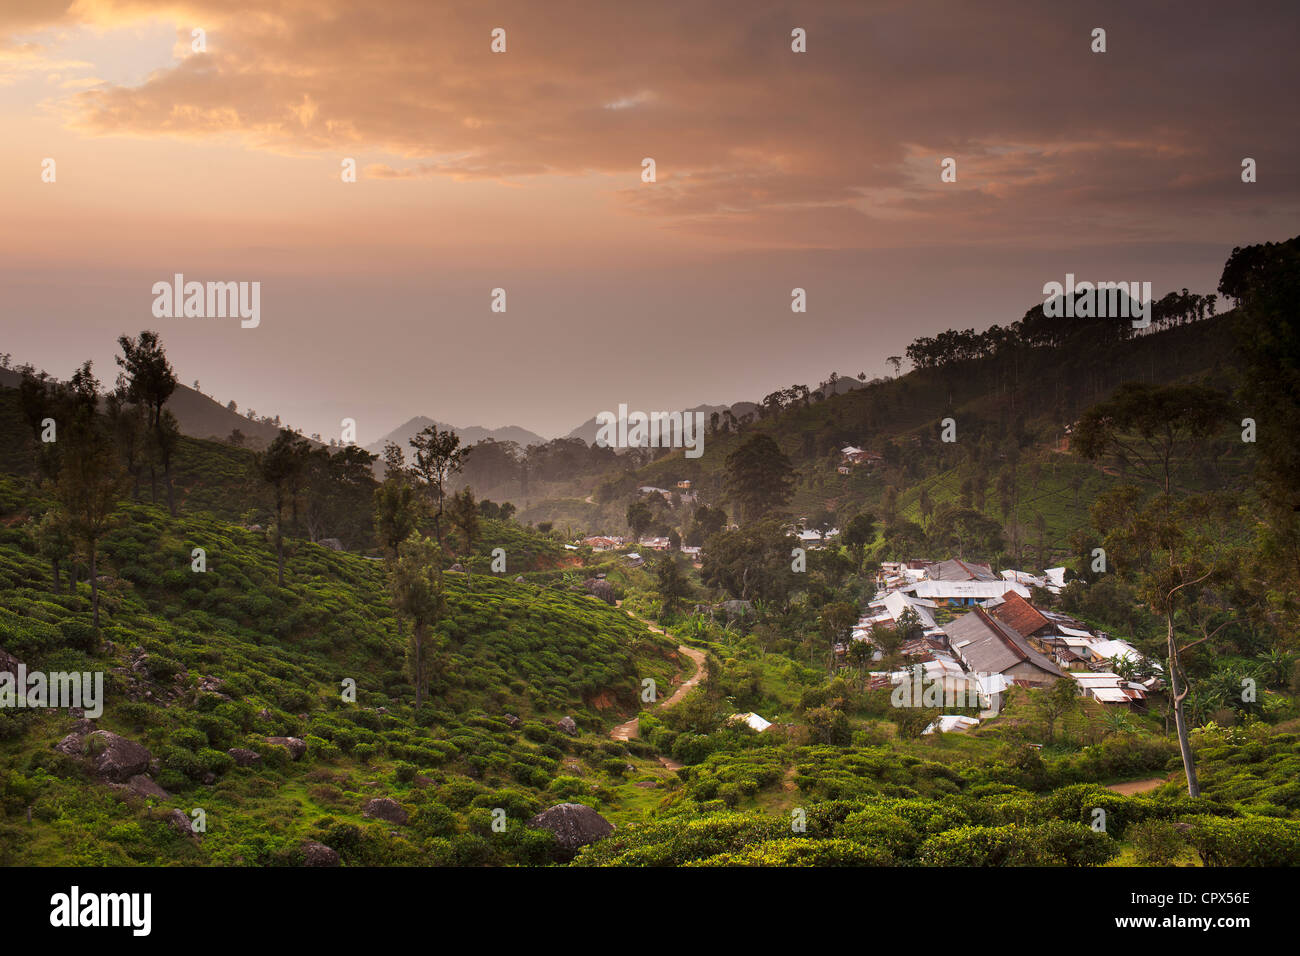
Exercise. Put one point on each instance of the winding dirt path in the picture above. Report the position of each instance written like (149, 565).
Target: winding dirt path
(1137, 786)
(632, 728)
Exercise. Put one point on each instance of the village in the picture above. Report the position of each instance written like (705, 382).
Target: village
(971, 630)
(967, 632)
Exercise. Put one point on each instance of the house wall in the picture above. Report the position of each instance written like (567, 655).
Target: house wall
(1028, 672)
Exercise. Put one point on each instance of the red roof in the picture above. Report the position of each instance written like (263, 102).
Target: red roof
(1019, 615)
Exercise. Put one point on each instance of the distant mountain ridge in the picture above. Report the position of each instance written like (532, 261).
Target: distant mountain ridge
(200, 416)
(587, 430)
(469, 435)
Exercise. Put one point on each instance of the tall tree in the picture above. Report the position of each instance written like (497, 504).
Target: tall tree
(639, 517)
(759, 477)
(861, 531)
(1171, 548)
(1152, 429)
(464, 515)
(54, 541)
(438, 456)
(673, 585)
(91, 481)
(149, 379)
(397, 513)
(1266, 279)
(835, 620)
(416, 587)
(38, 398)
(752, 562)
(280, 467)
(129, 425)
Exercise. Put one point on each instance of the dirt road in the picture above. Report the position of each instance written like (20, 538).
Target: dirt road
(631, 729)
(1137, 786)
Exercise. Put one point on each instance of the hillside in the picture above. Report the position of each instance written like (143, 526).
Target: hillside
(1011, 416)
(197, 415)
(200, 666)
(838, 385)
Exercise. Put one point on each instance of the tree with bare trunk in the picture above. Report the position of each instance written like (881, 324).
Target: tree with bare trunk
(438, 456)
(416, 587)
(91, 481)
(1173, 547)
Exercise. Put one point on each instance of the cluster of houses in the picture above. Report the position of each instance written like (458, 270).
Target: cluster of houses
(998, 639)
(601, 543)
(683, 491)
(851, 456)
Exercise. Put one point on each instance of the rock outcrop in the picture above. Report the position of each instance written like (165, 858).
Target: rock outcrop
(295, 745)
(573, 824)
(318, 854)
(243, 757)
(385, 808)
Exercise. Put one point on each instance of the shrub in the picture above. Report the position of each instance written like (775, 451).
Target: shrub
(1252, 841)
(1053, 843)
(801, 851)
(1156, 842)
(79, 635)
(433, 819)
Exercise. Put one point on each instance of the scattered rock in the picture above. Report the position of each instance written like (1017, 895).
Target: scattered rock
(573, 824)
(8, 663)
(318, 854)
(598, 587)
(244, 757)
(264, 714)
(334, 544)
(71, 745)
(294, 745)
(211, 685)
(180, 822)
(567, 725)
(116, 758)
(457, 568)
(519, 579)
(147, 788)
(385, 808)
(512, 721)
(84, 726)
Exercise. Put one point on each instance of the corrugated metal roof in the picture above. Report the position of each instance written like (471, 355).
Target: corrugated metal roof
(992, 647)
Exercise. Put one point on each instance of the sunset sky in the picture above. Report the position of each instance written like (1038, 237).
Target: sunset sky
(522, 170)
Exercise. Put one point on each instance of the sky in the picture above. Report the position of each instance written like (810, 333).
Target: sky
(522, 170)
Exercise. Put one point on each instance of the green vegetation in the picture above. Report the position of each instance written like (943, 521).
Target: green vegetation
(432, 661)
